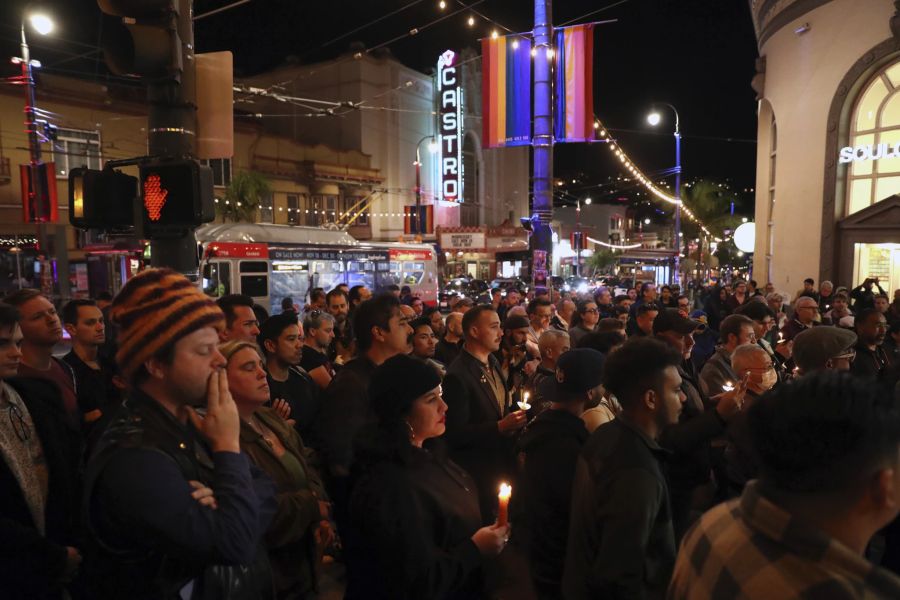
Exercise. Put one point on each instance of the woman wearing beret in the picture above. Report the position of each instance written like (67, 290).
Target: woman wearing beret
(415, 515)
(300, 522)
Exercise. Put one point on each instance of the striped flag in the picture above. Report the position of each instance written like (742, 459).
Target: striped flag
(423, 225)
(506, 91)
(574, 111)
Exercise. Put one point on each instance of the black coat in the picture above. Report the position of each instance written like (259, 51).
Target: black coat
(31, 564)
(472, 436)
(549, 449)
(413, 519)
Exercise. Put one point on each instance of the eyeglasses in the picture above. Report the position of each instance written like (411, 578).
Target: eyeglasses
(19, 425)
(591, 310)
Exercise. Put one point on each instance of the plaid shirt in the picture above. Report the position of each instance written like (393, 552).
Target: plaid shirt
(750, 549)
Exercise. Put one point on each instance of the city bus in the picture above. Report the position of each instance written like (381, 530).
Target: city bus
(273, 262)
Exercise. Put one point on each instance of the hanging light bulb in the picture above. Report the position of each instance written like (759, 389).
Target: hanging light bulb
(471, 21)
(494, 34)
(442, 4)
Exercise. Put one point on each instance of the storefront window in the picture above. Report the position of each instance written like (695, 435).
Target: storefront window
(875, 121)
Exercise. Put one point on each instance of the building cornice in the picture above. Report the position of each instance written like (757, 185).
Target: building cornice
(770, 16)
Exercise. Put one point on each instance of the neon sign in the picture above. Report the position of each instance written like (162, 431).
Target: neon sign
(450, 125)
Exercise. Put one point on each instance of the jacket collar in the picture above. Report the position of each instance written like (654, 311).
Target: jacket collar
(651, 444)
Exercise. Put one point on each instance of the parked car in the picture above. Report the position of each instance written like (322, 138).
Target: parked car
(507, 283)
(476, 289)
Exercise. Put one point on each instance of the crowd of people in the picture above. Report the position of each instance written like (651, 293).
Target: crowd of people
(739, 442)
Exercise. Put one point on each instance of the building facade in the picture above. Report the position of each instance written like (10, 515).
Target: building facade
(828, 158)
(390, 112)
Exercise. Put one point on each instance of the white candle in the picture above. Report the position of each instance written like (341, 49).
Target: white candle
(523, 404)
(727, 387)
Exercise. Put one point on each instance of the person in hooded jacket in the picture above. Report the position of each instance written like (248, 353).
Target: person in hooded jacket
(415, 513)
(549, 449)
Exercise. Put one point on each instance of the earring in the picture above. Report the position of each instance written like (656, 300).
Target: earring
(412, 433)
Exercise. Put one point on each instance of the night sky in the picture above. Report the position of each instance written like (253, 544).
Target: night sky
(697, 55)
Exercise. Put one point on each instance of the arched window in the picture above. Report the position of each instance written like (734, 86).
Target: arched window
(875, 120)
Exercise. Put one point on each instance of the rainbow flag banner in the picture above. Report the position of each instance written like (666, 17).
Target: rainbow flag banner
(574, 110)
(505, 91)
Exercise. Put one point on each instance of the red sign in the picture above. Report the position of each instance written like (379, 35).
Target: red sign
(233, 250)
(410, 255)
(39, 192)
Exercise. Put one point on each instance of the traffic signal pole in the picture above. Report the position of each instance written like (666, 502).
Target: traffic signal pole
(172, 132)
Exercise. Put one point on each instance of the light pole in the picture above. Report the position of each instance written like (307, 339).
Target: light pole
(432, 148)
(654, 119)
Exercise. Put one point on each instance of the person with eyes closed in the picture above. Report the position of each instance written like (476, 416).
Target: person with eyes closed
(414, 512)
(300, 527)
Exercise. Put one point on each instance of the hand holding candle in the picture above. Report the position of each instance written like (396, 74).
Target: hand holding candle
(523, 404)
(503, 504)
(728, 386)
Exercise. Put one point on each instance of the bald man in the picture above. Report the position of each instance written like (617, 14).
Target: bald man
(447, 348)
(806, 315)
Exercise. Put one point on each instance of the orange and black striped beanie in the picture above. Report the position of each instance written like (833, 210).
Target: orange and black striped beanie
(155, 309)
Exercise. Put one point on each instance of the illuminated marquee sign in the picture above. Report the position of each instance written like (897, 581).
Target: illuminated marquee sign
(450, 127)
(867, 152)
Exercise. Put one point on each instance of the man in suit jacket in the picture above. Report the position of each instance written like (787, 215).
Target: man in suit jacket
(479, 421)
(39, 454)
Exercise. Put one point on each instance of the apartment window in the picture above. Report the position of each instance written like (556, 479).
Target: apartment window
(221, 169)
(266, 209)
(293, 209)
(75, 148)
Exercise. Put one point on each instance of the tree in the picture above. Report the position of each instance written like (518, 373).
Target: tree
(243, 197)
(602, 260)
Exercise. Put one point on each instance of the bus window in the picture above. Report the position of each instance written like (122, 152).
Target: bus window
(413, 272)
(289, 278)
(254, 266)
(256, 286)
(217, 279)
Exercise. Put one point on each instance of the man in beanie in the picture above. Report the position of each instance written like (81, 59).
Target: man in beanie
(824, 348)
(480, 424)
(169, 493)
(549, 447)
(621, 542)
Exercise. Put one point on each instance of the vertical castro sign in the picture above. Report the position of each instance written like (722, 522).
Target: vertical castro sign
(450, 127)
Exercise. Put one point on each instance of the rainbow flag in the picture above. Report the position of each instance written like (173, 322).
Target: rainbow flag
(425, 223)
(505, 91)
(574, 110)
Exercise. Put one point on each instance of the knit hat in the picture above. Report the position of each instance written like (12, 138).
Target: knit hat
(155, 309)
(815, 346)
(397, 382)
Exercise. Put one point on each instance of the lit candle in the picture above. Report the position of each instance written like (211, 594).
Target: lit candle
(503, 504)
(728, 386)
(523, 404)
(780, 337)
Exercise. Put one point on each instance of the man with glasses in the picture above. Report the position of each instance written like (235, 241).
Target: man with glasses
(871, 360)
(806, 313)
(824, 348)
(38, 476)
(764, 321)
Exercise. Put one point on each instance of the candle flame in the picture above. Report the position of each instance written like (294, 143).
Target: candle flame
(505, 491)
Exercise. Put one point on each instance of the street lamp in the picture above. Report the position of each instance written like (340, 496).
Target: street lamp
(654, 118)
(432, 148)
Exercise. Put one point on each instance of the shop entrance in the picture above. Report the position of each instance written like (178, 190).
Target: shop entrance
(869, 246)
(877, 260)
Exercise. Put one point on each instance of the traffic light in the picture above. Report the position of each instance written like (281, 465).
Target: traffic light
(177, 195)
(140, 37)
(101, 199)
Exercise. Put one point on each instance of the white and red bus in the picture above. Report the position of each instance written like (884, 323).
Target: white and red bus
(272, 262)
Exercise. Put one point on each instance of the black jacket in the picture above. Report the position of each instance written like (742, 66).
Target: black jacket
(621, 542)
(413, 519)
(149, 537)
(472, 436)
(548, 451)
(446, 352)
(31, 564)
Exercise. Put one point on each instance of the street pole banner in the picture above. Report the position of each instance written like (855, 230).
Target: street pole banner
(574, 118)
(506, 91)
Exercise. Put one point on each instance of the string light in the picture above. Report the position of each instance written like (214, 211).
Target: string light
(648, 183)
(613, 246)
(494, 34)
(442, 4)
(471, 21)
